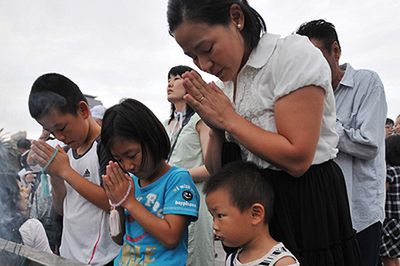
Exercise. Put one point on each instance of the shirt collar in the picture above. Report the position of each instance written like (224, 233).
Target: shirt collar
(347, 79)
(263, 51)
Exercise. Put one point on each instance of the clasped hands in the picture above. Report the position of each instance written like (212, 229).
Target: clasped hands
(116, 184)
(209, 101)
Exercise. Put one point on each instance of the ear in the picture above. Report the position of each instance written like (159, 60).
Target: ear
(237, 16)
(257, 213)
(337, 52)
(83, 109)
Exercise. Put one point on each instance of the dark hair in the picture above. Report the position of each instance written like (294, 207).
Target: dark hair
(321, 30)
(24, 144)
(131, 119)
(178, 71)
(246, 185)
(392, 145)
(215, 12)
(54, 90)
(389, 121)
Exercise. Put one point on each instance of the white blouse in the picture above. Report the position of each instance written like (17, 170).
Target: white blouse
(275, 68)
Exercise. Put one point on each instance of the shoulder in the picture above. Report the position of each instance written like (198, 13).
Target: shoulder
(296, 63)
(294, 46)
(297, 52)
(281, 256)
(101, 150)
(368, 78)
(285, 261)
(366, 72)
(178, 174)
(195, 118)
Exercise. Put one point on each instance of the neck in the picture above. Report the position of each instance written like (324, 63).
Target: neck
(180, 107)
(337, 76)
(93, 133)
(162, 168)
(257, 247)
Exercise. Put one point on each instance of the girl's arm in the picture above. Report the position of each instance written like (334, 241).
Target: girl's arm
(200, 174)
(298, 117)
(167, 230)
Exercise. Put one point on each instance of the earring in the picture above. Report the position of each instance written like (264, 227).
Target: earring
(238, 26)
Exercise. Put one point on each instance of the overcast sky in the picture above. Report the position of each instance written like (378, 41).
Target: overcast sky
(117, 49)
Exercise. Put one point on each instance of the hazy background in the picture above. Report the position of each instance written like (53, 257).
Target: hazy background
(117, 49)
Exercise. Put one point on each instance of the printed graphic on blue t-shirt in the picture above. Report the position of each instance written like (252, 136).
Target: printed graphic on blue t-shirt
(173, 193)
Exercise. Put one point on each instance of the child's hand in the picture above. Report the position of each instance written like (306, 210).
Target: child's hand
(116, 184)
(41, 154)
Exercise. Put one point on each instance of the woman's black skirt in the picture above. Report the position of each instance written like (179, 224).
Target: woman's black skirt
(312, 217)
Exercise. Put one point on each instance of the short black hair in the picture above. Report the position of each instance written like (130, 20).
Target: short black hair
(389, 122)
(24, 144)
(392, 145)
(178, 71)
(321, 30)
(132, 120)
(246, 184)
(54, 90)
(213, 12)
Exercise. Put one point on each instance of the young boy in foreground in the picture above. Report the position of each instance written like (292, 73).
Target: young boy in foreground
(59, 106)
(240, 199)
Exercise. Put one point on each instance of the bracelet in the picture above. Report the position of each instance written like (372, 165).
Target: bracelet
(53, 156)
(123, 199)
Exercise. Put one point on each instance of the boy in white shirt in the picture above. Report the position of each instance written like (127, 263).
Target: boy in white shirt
(59, 106)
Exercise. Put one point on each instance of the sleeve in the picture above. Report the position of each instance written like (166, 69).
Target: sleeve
(299, 64)
(182, 196)
(195, 118)
(363, 134)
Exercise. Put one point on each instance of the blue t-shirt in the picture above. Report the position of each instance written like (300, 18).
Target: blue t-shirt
(172, 193)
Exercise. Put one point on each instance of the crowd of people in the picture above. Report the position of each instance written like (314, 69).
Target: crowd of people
(285, 159)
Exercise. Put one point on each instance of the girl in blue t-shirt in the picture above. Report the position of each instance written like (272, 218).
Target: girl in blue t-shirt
(158, 200)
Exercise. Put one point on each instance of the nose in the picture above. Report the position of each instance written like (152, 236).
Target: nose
(127, 165)
(58, 135)
(215, 226)
(170, 83)
(204, 63)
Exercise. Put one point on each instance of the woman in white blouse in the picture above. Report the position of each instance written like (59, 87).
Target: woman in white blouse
(277, 104)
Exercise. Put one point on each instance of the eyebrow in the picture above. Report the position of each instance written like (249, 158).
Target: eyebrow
(199, 43)
(196, 46)
(60, 125)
